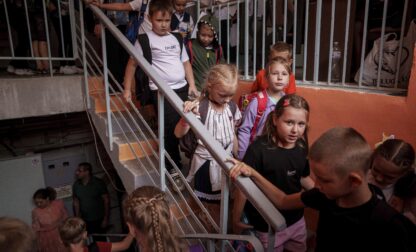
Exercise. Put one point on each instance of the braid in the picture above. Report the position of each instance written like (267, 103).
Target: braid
(155, 222)
(147, 209)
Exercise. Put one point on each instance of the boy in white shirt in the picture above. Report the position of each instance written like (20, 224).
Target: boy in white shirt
(170, 60)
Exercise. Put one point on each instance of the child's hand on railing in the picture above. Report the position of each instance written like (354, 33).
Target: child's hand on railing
(94, 2)
(239, 168)
(127, 95)
(191, 106)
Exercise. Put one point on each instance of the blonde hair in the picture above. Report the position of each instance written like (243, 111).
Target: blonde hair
(148, 211)
(221, 74)
(278, 60)
(71, 231)
(343, 150)
(16, 236)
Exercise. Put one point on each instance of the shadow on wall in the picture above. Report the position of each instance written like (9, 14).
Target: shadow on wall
(371, 114)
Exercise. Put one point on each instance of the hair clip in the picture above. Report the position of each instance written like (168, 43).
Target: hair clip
(286, 102)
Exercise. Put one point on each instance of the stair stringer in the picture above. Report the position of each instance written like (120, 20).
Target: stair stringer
(130, 176)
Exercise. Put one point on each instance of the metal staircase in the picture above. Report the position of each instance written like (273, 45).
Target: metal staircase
(137, 152)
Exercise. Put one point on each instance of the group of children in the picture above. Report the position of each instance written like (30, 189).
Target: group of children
(147, 215)
(270, 138)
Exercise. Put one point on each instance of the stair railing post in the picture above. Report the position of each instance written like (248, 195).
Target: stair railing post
(225, 193)
(211, 246)
(161, 133)
(271, 239)
(84, 55)
(106, 87)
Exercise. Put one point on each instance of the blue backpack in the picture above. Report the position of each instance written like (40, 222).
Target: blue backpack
(135, 20)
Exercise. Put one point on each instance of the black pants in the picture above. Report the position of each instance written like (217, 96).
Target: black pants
(18, 23)
(65, 46)
(171, 119)
(94, 227)
(116, 57)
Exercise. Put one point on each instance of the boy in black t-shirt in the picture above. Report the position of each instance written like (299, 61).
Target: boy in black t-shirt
(351, 216)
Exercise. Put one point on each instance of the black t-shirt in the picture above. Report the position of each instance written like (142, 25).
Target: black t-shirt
(282, 167)
(373, 226)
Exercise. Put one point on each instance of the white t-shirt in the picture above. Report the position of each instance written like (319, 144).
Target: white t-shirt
(146, 26)
(167, 59)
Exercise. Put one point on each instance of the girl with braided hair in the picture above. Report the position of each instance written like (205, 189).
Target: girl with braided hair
(148, 217)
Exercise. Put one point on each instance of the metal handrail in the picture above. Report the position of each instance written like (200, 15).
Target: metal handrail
(254, 241)
(246, 185)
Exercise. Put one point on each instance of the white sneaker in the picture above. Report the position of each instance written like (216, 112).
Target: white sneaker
(23, 71)
(10, 69)
(75, 68)
(69, 70)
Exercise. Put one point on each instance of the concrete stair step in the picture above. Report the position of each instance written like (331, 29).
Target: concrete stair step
(117, 102)
(127, 121)
(139, 171)
(95, 85)
(128, 150)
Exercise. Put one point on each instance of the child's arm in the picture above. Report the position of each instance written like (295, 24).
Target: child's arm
(129, 78)
(189, 75)
(122, 245)
(113, 6)
(307, 183)
(244, 130)
(182, 127)
(238, 206)
(278, 198)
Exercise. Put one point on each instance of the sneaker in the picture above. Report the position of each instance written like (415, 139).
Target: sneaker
(10, 69)
(79, 70)
(23, 71)
(69, 70)
(177, 179)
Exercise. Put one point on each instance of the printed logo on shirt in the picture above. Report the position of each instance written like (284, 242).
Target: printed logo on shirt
(170, 48)
(291, 173)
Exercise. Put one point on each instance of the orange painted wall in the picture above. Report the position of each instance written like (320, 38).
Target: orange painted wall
(371, 114)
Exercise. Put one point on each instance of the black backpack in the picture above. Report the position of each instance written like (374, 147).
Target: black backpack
(189, 141)
(142, 81)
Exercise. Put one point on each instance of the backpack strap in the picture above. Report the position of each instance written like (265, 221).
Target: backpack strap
(261, 107)
(186, 17)
(142, 11)
(218, 54)
(233, 107)
(145, 44)
(203, 109)
(174, 22)
(143, 92)
(179, 37)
